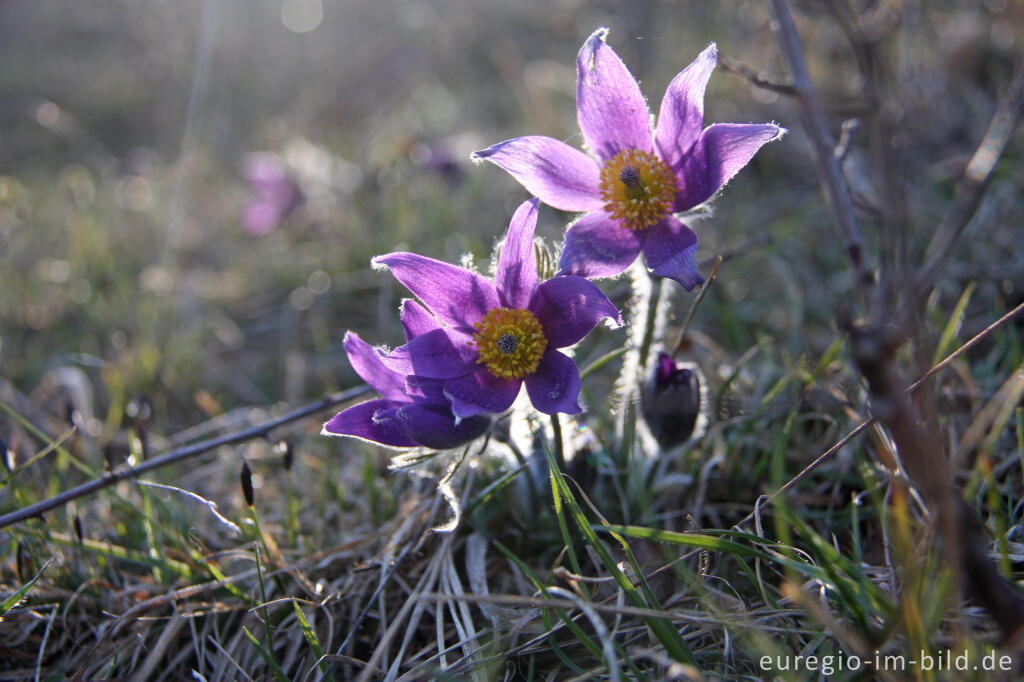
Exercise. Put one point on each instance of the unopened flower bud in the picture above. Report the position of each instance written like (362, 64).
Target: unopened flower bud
(246, 479)
(671, 400)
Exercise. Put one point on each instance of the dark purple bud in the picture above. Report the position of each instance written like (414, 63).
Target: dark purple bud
(246, 478)
(671, 400)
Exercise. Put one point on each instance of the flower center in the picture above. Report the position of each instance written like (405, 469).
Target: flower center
(637, 188)
(510, 342)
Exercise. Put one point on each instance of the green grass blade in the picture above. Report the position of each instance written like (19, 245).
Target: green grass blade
(952, 328)
(602, 361)
(55, 445)
(662, 628)
(311, 638)
(16, 598)
(696, 540)
(267, 657)
(584, 639)
(556, 494)
(577, 632)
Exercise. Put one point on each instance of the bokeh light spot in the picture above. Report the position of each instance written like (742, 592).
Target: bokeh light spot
(302, 16)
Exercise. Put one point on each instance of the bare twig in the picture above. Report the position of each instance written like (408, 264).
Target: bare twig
(693, 308)
(822, 147)
(756, 79)
(964, 348)
(975, 180)
(744, 247)
(180, 454)
(849, 129)
(865, 35)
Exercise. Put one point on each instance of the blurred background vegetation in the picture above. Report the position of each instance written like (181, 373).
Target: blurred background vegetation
(191, 192)
(127, 127)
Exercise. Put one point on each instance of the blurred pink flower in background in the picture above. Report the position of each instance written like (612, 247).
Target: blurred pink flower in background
(275, 193)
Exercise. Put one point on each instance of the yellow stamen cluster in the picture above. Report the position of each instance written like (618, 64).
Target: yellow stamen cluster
(637, 188)
(510, 342)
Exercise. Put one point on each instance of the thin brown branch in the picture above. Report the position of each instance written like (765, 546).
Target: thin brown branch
(975, 181)
(822, 148)
(693, 308)
(965, 347)
(757, 79)
(180, 454)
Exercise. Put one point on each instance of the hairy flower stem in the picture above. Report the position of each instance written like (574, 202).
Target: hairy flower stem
(650, 303)
(650, 323)
(559, 452)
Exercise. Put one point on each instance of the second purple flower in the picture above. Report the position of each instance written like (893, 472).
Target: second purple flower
(499, 334)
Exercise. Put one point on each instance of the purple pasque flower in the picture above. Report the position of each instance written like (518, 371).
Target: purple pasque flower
(499, 334)
(411, 411)
(275, 193)
(639, 178)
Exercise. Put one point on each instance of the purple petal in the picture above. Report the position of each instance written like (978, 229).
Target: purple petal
(420, 389)
(374, 420)
(720, 152)
(568, 307)
(682, 109)
(433, 426)
(368, 365)
(668, 249)
(416, 320)
(481, 391)
(595, 246)
(551, 170)
(265, 169)
(555, 386)
(261, 216)
(463, 410)
(609, 105)
(456, 296)
(438, 354)
(516, 277)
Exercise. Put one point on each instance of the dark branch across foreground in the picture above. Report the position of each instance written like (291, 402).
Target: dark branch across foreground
(182, 453)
